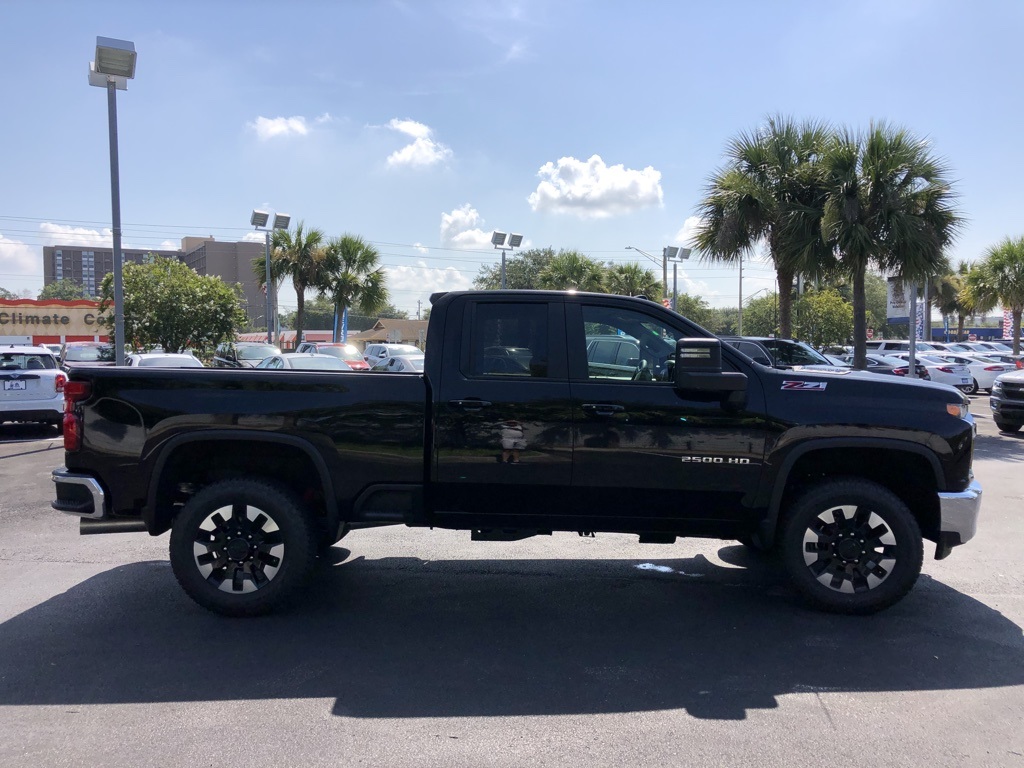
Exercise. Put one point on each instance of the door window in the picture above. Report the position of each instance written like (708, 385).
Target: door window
(509, 339)
(627, 345)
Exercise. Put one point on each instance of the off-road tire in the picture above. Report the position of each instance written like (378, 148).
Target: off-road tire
(243, 547)
(851, 546)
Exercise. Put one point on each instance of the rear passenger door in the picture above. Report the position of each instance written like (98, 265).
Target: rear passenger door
(503, 433)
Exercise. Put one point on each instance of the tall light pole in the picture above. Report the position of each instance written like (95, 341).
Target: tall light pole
(505, 242)
(113, 68)
(259, 221)
(675, 254)
(667, 253)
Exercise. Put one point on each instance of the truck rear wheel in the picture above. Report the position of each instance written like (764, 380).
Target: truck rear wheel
(242, 547)
(851, 546)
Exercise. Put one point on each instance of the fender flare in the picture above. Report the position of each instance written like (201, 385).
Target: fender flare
(778, 487)
(230, 435)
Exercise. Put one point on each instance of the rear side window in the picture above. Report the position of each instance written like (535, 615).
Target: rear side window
(508, 339)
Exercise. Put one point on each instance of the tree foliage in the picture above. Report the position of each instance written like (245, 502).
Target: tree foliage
(572, 270)
(351, 277)
(823, 318)
(889, 204)
(761, 316)
(631, 279)
(298, 254)
(522, 271)
(64, 290)
(769, 191)
(998, 279)
(696, 310)
(5, 294)
(167, 304)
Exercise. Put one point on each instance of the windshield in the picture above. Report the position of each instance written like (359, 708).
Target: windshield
(20, 361)
(184, 361)
(317, 364)
(794, 353)
(403, 349)
(97, 354)
(256, 353)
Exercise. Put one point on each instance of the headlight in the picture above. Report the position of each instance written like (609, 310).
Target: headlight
(960, 410)
(997, 385)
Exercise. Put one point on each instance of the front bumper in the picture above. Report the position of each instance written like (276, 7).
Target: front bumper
(958, 518)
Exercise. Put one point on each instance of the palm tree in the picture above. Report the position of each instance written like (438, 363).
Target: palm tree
(352, 277)
(999, 279)
(948, 294)
(631, 279)
(889, 204)
(769, 191)
(298, 255)
(571, 269)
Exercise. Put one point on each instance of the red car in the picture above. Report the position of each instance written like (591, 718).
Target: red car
(346, 352)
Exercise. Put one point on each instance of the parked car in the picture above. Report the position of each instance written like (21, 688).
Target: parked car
(983, 370)
(892, 366)
(346, 352)
(374, 353)
(54, 348)
(942, 371)
(401, 364)
(779, 353)
(31, 386)
(889, 346)
(1007, 401)
(302, 361)
(242, 354)
(163, 360)
(86, 353)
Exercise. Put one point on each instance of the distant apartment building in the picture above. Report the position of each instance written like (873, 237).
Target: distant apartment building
(232, 262)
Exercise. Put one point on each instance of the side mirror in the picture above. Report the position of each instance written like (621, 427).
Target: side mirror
(698, 368)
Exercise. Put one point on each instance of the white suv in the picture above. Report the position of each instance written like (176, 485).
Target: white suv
(31, 385)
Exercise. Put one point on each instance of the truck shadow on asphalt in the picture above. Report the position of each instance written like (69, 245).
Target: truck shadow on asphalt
(1005, 447)
(405, 637)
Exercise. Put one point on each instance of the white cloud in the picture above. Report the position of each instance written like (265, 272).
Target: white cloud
(423, 281)
(423, 150)
(420, 247)
(684, 236)
(462, 229)
(271, 127)
(593, 190)
(254, 237)
(60, 234)
(21, 265)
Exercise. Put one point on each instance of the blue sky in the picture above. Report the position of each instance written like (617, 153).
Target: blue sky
(423, 126)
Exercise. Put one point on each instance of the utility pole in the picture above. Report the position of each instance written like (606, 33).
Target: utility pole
(418, 305)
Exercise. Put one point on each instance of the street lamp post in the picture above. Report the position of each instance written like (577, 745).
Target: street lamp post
(505, 242)
(669, 252)
(675, 255)
(113, 68)
(259, 221)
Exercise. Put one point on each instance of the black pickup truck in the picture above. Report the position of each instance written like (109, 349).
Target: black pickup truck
(520, 426)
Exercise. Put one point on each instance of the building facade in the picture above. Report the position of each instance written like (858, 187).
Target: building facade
(230, 261)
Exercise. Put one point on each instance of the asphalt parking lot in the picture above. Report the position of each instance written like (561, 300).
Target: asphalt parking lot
(423, 648)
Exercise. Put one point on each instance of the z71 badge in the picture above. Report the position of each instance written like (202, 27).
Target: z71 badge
(808, 386)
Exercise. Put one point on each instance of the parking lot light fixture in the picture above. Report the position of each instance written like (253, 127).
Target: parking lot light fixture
(505, 242)
(113, 68)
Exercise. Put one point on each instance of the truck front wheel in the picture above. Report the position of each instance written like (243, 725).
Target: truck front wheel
(242, 547)
(851, 546)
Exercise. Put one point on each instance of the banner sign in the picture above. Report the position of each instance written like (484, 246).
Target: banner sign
(896, 309)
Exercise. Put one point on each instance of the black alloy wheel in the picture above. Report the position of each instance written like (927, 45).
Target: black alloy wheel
(852, 546)
(242, 547)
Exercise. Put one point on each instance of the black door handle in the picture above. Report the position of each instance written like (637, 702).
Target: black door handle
(603, 409)
(469, 404)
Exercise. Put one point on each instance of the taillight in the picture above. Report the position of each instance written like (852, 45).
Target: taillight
(1020, 363)
(59, 381)
(945, 369)
(995, 368)
(74, 391)
(900, 371)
